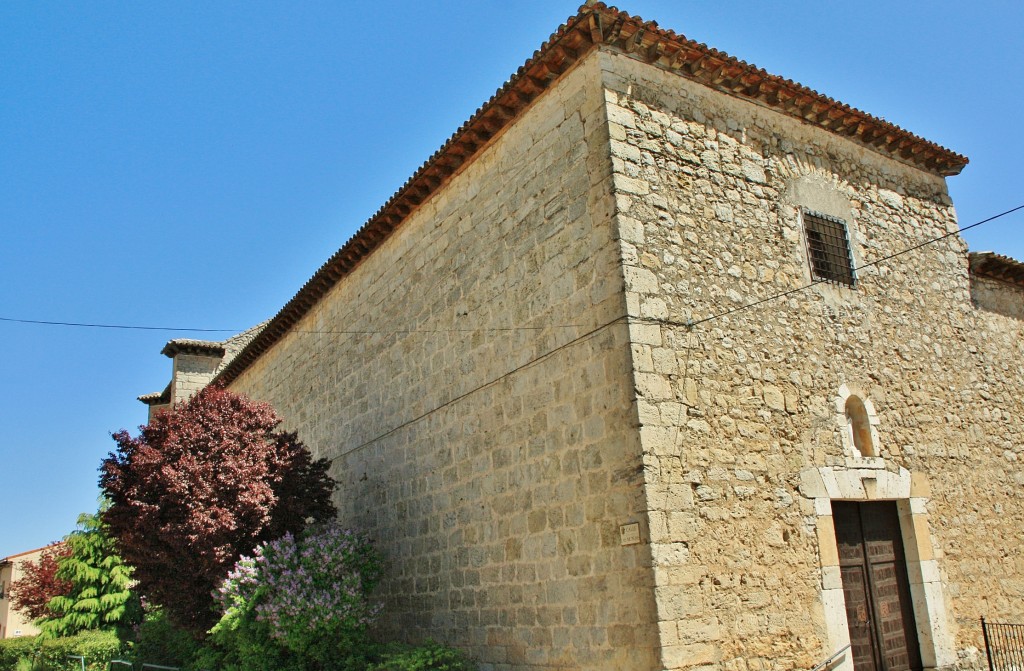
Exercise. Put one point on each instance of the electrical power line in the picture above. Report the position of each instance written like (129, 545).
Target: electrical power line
(456, 399)
(623, 318)
(315, 332)
(131, 327)
(688, 324)
(628, 320)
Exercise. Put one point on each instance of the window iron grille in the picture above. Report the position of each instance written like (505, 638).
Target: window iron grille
(828, 248)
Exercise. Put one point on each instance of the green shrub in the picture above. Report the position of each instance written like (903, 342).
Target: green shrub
(428, 657)
(246, 648)
(13, 649)
(37, 654)
(300, 603)
(159, 641)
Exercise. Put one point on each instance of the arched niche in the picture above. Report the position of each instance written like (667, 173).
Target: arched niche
(857, 421)
(859, 425)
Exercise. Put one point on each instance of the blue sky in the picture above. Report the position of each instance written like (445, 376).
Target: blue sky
(191, 164)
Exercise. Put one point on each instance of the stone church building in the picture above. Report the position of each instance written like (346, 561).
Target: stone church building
(665, 362)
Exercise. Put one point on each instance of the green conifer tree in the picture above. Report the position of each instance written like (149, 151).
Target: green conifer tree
(101, 596)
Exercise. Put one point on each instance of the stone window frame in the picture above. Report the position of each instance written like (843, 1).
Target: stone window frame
(911, 493)
(853, 456)
(847, 276)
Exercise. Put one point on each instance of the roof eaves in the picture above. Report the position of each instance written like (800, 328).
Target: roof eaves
(188, 346)
(594, 25)
(562, 50)
(720, 71)
(997, 266)
(157, 397)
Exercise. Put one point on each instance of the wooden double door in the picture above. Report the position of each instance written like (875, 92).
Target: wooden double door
(883, 634)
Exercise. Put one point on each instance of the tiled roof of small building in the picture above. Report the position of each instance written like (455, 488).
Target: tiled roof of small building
(997, 266)
(157, 397)
(226, 349)
(189, 346)
(234, 344)
(598, 26)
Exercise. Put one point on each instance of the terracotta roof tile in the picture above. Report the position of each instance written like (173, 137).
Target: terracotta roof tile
(157, 397)
(226, 349)
(596, 26)
(189, 346)
(997, 266)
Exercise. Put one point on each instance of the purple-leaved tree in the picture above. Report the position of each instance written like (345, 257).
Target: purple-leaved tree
(199, 487)
(39, 582)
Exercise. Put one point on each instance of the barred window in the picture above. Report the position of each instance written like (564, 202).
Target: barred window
(828, 248)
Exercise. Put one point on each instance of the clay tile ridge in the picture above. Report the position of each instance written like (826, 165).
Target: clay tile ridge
(997, 266)
(595, 26)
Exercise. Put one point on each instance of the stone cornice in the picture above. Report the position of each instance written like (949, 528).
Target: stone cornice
(595, 26)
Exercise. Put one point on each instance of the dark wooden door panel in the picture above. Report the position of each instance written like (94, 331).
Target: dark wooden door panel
(889, 610)
(873, 569)
(858, 615)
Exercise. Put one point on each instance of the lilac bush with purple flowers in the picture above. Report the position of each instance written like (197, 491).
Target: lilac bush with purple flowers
(309, 595)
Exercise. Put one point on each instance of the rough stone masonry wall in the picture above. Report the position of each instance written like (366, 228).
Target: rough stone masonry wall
(982, 526)
(709, 190)
(494, 487)
(992, 295)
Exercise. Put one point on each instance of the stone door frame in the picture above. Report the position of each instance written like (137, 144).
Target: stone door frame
(880, 482)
